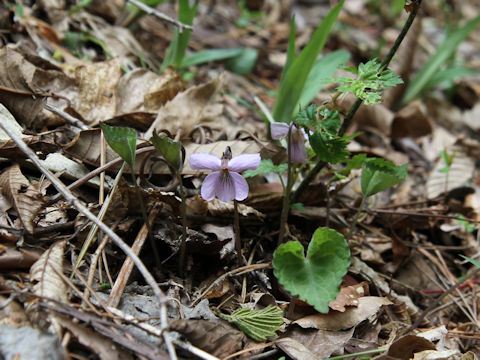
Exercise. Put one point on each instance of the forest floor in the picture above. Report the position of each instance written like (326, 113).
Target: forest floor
(406, 288)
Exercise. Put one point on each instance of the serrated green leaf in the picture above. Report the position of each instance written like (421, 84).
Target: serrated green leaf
(122, 140)
(259, 325)
(355, 162)
(331, 149)
(170, 150)
(379, 174)
(307, 117)
(266, 166)
(315, 279)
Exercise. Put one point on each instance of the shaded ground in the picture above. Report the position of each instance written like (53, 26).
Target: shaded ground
(66, 68)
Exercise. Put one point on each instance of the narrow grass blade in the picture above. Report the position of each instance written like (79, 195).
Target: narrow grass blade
(443, 53)
(299, 70)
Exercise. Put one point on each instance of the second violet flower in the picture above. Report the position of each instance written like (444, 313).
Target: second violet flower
(298, 152)
(224, 182)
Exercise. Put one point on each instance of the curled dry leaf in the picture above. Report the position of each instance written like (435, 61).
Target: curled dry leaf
(215, 337)
(18, 74)
(406, 347)
(348, 296)
(25, 198)
(141, 90)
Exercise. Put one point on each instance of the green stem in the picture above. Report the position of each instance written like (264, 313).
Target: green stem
(355, 219)
(145, 219)
(286, 197)
(358, 102)
(183, 209)
(361, 353)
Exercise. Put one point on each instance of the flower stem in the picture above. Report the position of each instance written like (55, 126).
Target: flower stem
(286, 197)
(145, 219)
(361, 353)
(353, 224)
(236, 231)
(183, 209)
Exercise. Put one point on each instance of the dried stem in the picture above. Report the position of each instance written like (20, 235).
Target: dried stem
(286, 195)
(160, 15)
(183, 209)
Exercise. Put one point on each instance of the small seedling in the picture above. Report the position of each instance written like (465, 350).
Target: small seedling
(123, 141)
(173, 152)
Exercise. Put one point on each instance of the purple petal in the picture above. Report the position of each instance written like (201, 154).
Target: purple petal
(244, 162)
(225, 187)
(241, 186)
(210, 185)
(279, 130)
(298, 152)
(205, 161)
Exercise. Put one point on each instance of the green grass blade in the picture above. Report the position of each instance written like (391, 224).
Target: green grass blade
(290, 51)
(204, 56)
(448, 75)
(178, 46)
(443, 53)
(323, 68)
(298, 72)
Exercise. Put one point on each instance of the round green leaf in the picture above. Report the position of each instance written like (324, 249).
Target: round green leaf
(315, 279)
(122, 140)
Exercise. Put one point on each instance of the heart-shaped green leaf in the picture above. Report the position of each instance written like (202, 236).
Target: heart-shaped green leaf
(315, 279)
(170, 150)
(379, 174)
(122, 140)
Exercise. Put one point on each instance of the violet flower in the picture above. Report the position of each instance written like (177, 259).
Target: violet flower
(298, 152)
(224, 182)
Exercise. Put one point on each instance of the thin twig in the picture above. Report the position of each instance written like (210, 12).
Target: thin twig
(70, 119)
(440, 298)
(69, 197)
(160, 15)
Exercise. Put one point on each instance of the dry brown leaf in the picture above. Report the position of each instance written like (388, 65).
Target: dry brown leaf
(215, 337)
(320, 343)
(218, 208)
(23, 196)
(197, 105)
(17, 73)
(46, 272)
(295, 349)
(334, 320)
(96, 90)
(141, 90)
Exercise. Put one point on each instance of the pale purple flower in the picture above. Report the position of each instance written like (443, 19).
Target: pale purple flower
(224, 182)
(298, 152)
